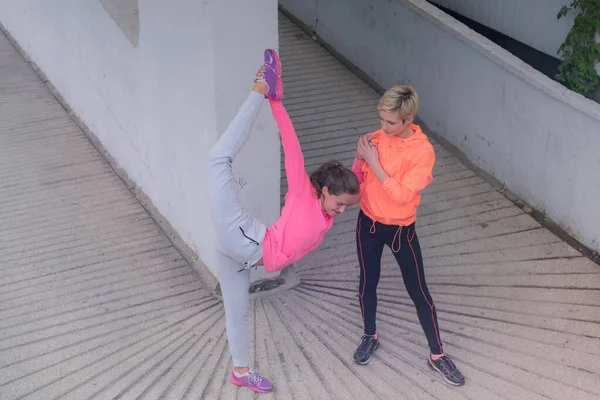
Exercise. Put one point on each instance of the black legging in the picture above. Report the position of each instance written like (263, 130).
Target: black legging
(370, 238)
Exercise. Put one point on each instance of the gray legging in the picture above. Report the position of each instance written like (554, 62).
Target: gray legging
(239, 235)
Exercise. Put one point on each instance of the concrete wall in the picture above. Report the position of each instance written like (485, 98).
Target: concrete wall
(526, 130)
(532, 22)
(158, 106)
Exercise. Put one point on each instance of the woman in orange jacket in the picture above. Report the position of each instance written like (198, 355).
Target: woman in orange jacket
(393, 165)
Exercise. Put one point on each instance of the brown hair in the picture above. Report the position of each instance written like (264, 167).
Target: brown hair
(336, 177)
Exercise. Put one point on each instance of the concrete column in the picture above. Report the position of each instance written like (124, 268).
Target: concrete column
(158, 99)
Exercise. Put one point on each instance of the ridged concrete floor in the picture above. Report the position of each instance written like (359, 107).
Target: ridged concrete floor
(95, 303)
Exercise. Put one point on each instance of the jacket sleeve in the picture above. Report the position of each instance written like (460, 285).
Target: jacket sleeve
(296, 175)
(357, 169)
(402, 190)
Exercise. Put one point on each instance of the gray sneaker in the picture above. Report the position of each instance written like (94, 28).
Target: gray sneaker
(446, 367)
(368, 344)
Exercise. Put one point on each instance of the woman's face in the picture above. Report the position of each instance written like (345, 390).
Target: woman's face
(337, 204)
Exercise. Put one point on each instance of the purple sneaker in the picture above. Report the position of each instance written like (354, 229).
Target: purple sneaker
(272, 75)
(252, 380)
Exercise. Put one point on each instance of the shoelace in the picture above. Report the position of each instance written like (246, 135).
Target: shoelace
(446, 365)
(365, 341)
(254, 378)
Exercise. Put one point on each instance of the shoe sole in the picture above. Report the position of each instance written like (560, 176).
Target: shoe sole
(253, 388)
(433, 367)
(277, 63)
(279, 90)
(368, 359)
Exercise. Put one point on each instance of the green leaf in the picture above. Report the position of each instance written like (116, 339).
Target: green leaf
(580, 52)
(563, 12)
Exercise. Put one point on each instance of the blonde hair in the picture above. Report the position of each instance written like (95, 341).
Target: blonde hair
(401, 100)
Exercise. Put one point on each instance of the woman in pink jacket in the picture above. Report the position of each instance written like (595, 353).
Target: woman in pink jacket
(243, 241)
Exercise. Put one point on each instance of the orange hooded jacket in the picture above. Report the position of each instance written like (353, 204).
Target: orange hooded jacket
(409, 163)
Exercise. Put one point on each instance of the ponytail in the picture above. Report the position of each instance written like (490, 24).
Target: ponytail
(338, 179)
